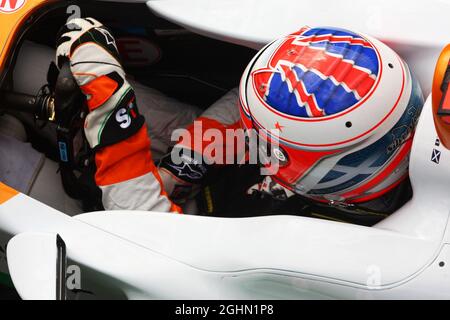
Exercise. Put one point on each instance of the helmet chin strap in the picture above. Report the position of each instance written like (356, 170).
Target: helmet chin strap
(340, 204)
(271, 188)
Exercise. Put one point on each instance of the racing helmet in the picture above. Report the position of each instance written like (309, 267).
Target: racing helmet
(342, 108)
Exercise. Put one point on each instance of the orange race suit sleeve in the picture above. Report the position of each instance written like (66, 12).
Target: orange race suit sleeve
(114, 127)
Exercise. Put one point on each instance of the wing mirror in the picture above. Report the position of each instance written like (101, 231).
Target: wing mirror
(441, 97)
(37, 265)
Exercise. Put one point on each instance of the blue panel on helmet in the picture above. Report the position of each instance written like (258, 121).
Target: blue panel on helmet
(332, 98)
(280, 95)
(332, 175)
(340, 101)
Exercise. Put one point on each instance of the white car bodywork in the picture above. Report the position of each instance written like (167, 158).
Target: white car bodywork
(158, 255)
(417, 30)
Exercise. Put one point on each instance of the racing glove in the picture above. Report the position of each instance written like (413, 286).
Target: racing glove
(113, 128)
(95, 64)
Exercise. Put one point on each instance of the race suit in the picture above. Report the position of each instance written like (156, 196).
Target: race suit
(27, 170)
(155, 188)
(126, 171)
(115, 127)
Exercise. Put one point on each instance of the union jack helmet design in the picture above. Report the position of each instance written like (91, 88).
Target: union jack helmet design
(342, 107)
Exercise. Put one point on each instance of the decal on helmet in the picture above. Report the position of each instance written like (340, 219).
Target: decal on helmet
(318, 72)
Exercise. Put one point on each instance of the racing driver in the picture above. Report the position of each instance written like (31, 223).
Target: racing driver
(336, 109)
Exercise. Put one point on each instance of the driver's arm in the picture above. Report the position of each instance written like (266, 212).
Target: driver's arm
(114, 128)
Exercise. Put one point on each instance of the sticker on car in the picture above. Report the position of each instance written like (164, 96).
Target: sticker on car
(11, 6)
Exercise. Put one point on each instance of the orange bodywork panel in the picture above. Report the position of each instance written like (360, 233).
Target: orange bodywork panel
(13, 13)
(441, 123)
(6, 193)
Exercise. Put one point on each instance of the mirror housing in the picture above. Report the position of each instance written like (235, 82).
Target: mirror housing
(37, 265)
(441, 72)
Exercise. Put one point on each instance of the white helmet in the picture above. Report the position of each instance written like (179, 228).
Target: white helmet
(345, 106)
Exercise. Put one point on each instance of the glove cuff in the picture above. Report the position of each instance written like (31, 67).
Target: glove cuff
(184, 165)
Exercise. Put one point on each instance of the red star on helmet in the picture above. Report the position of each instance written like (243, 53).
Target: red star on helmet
(278, 126)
